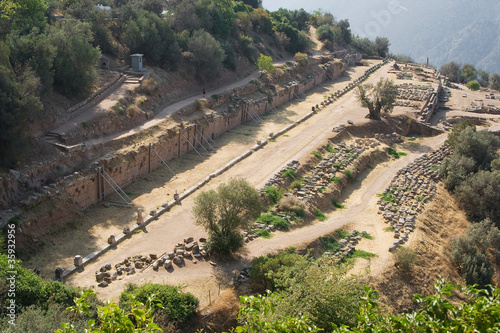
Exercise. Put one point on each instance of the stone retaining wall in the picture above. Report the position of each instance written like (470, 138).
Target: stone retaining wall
(82, 187)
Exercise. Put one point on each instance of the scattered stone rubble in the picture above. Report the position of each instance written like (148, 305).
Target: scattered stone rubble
(408, 192)
(347, 246)
(404, 76)
(345, 154)
(187, 249)
(279, 179)
(414, 92)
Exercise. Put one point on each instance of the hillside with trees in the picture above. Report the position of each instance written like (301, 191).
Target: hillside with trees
(49, 50)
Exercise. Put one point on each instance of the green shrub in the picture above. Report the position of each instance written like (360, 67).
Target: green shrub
(340, 233)
(297, 184)
(473, 85)
(366, 235)
(336, 179)
(350, 176)
(329, 243)
(277, 221)
(317, 155)
(31, 289)
(392, 152)
(265, 267)
(405, 258)
(289, 173)
(273, 194)
(178, 307)
(337, 205)
(262, 233)
(330, 149)
(477, 269)
(320, 215)
(362, 254)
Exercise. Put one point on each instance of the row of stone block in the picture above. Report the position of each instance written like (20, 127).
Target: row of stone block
(409, 190)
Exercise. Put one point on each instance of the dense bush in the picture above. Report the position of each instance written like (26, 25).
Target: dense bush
(405, 258)
(31, 289)
(278, 222)
(468, 253)
(436, 313)
(265, 268)
(178, 307)
(479, 196)
(315, 288)
(209, 55)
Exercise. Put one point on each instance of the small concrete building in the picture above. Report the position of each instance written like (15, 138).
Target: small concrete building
(137, 62)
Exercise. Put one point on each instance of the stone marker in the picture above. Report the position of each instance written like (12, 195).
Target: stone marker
(59, 272)
(126, 230)
(78, 260)
(112, 240)
(140, 219)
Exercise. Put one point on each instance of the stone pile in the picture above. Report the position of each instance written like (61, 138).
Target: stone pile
(407, 103)
(388, 137)
(187, 249)
(347, 246)
(414, 92)
(249, 236)
(279, 179)
(404, 76)
(409, 190)
(345, 154)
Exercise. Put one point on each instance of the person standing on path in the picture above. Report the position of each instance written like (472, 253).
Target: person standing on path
(204, 91)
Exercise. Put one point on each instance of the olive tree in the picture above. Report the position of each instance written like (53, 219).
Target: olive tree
(227, 211)
(377, 98)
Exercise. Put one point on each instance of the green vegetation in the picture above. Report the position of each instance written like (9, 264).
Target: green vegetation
(389, 229)
(468, 74)
(320, 215)
(273, 194)
(330, 149)
(350, 175)
(362, 254)
(470, 253)
(341, 233)
(336, 179)
(227, 211)
(265, 63)
(263, 233)
(297, 183)
(436, 313)
(111, 318)
(337, 205)
(405, 258)
(366, 235)
(387, 196)
(290, 173)
(301, 291)
(470, 173)
(317, 155)
(274, 220)
(377, 98)
(396, 154)
(177, 307)
(473, 85)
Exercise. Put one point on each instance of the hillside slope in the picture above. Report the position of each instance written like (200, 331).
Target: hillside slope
(443, 30)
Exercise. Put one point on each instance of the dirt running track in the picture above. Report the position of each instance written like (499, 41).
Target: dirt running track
(199, 276)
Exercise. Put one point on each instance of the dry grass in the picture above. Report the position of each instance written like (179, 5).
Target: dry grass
(133, 111)
(291, 203)
(441, 221)
(221, 315)
(148, 86)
